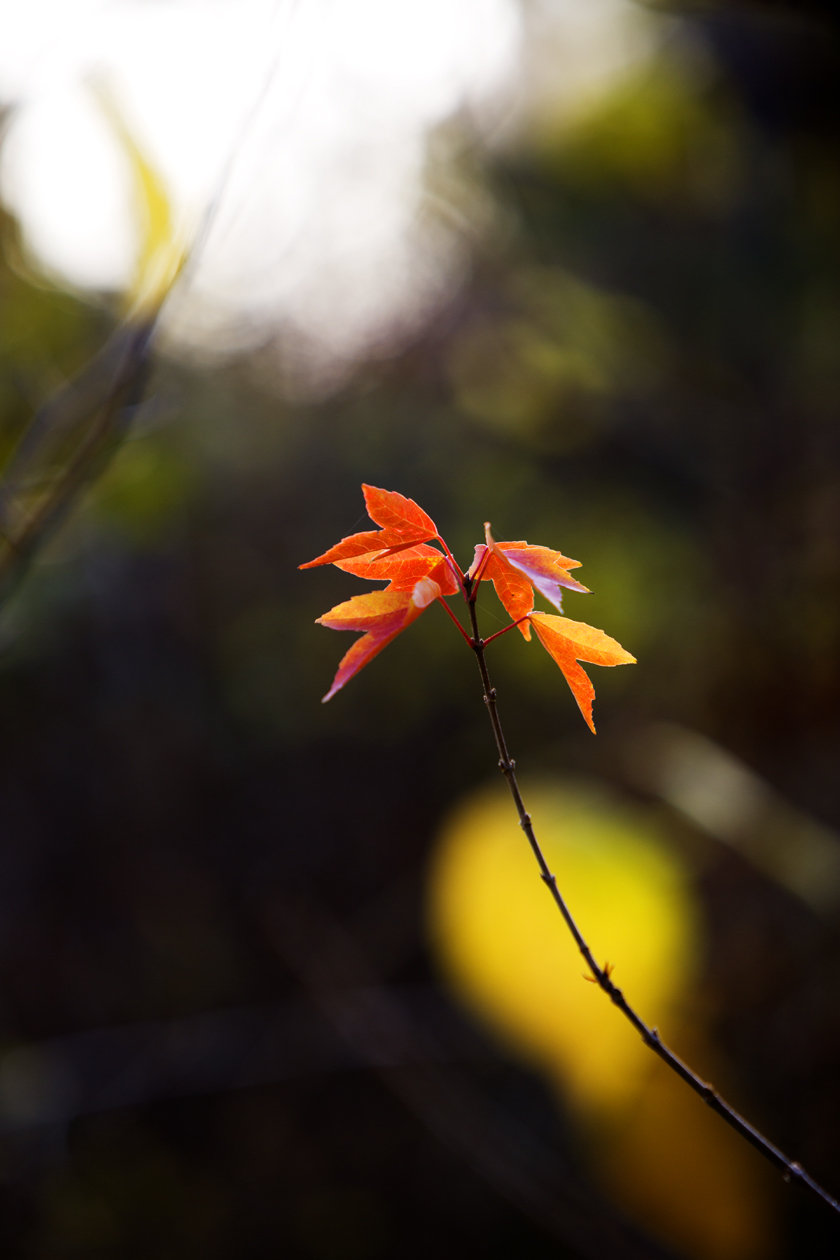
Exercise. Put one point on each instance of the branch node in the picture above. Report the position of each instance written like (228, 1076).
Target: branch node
(708, 1094)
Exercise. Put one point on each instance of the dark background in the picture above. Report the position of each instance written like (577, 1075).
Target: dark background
(222, 1028)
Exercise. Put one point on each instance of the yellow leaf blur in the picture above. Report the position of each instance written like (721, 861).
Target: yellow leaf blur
(504, 946)
(162, 251)
(661, 1154)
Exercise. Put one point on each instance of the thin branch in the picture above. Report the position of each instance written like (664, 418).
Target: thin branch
(790, 1169)
(451, 614)
(512, 626)
(453, 563)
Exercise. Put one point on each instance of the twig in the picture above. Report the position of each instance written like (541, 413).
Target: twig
(790, 1169)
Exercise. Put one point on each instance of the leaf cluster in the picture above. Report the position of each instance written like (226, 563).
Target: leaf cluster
(408, 552)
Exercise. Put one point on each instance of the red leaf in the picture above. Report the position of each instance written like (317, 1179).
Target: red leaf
(395, 511)
(404, 568)
(403, 522)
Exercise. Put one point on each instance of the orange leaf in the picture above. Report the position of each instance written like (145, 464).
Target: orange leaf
(395, 511)
(404, 568)
(544, 569)
(369, 543)
(517, 569)
(512, 587)
(381, 615)
(571, 641)
(403, 522)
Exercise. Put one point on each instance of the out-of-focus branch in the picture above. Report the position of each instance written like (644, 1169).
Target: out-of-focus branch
(726, 800)
(67, 446)
(72, 436)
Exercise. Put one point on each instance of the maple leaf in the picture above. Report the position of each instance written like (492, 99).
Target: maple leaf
(571, 641)
(403, 524)
(404, 568)
(517, 569)
(382, 615)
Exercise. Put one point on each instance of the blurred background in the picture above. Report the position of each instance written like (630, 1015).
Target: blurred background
(281, 979)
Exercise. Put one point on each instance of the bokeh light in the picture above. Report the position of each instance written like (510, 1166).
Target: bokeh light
(304, 145)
